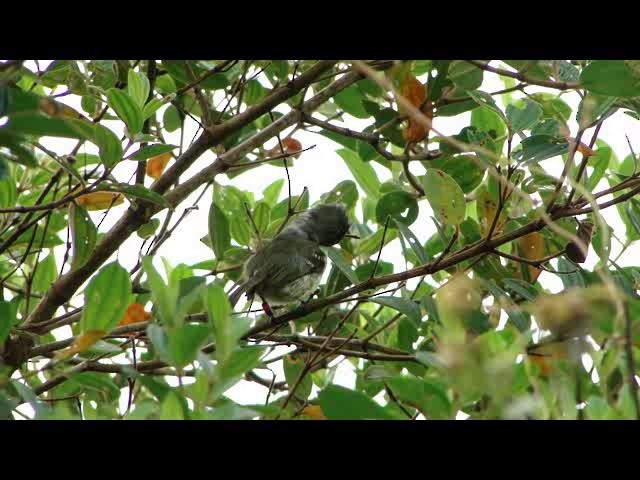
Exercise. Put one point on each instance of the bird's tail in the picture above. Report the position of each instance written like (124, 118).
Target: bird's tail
(237, 293)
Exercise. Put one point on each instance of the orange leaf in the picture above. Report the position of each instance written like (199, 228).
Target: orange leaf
(582, 148)
(532, 248)
(290, 146)
(81, 343)
(414, 91)
(156, 165)
(100, 200)
(314, 412)
(414, 132)
(135, 313)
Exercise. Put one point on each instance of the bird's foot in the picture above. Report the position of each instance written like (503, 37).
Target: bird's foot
(304, 302)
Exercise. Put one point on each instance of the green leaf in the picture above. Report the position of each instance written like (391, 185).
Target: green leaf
(149, 228)
(600, 163)
(430, 359)
(466, 170)
(185, 341)
(138, 87)
(350, 100)
(525, 118)
(407, 307)
(293, 368)
(41, 126)
(430, 399)
(106, 298)
(136, 191)
(160, 341)
(344, 192)
(217, 304)
(569, 279)
(151, 107)
(172, 408)
(486, 100)
(592, 107)
(610, 77)
(537, 69)
(97, 382)
(445, 197)
(371, 244)
(597, 408)
(399, 205)
(109, 145)
(45, 275)
(363, 173)
(414, 243)
(8, 192)
(515, 314)
(219, 230)
(83, 235)
(340, 403)
(465, 75)
(253, 92)
(171, 119)
(240, 361)
(540, 147)
(7, 320)
(126, 109)
(338, 260)
(151, 151)
(487, 120)
(272, 192)
(163, 300)
(602, 247)
(262, 216)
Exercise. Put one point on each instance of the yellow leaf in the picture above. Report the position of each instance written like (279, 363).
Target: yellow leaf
(314, 412)
(54, 108)
(81, 343)
(156, 165)
(486, 208)
(100, 200)
(532, 248)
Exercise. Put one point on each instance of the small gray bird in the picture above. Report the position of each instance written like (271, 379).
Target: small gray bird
(289, 268)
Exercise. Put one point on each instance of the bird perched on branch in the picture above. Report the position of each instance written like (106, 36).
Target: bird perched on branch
(289, 268)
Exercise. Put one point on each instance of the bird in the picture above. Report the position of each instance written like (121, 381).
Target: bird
(290, 266)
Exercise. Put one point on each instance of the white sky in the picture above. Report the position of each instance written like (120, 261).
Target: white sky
(320, 169)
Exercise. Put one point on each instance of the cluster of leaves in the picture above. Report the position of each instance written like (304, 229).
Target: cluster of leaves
(478, 333)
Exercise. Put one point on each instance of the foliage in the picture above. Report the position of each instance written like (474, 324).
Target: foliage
(464, 323)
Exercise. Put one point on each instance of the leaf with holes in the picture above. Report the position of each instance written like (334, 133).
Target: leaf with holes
(523, 118)
(445, 196)
(399, 205)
